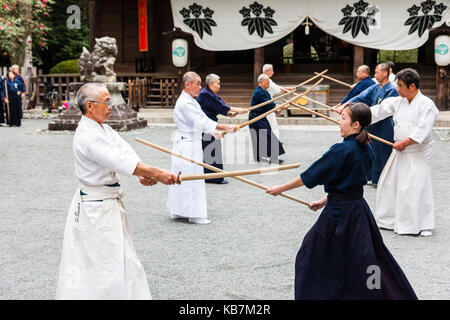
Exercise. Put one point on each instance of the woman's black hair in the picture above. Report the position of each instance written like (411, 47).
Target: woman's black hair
(361, 112)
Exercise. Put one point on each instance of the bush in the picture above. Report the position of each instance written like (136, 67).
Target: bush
(399, 56)
(68, 66)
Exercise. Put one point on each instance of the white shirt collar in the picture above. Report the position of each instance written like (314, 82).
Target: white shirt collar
(187, 95)
(418, 95)
(91, 123)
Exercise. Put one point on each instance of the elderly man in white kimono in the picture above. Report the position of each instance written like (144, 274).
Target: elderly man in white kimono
(274, 90)
(98, 257)
(404, 200)
(188, 200)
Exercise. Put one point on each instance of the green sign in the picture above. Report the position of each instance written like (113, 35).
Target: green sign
(442, 49)
(180, 52)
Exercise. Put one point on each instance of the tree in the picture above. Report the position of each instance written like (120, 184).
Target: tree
(63, 43)
(21, 20)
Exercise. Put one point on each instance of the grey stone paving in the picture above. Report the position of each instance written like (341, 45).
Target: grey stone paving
(247, 252)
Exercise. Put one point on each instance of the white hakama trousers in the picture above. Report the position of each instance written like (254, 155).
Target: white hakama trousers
(187, 199)
(272, 118)
(98, 257)
(404, 195)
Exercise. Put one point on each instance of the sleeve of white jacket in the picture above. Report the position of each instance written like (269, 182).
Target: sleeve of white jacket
(112, 155)
(201, 120)
(274, 88)
(384, 109)
(125, 146)
(426, 123)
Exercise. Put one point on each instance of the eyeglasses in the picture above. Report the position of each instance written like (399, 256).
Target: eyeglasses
(108, 103)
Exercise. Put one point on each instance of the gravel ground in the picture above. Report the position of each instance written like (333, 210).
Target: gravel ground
(247, 252)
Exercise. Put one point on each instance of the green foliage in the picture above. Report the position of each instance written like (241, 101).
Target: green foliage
(20, 19)
(64, 43)
(68, 66)
(399, 56)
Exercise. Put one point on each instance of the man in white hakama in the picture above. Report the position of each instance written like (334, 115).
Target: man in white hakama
(188, 199)
(404, 196)
(98, 258)
(274, 90)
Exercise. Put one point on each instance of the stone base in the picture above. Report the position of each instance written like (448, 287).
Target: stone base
(122, 118)
(119, 125)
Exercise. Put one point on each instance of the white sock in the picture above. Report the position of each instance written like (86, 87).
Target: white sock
(426, 233)
(199, 220)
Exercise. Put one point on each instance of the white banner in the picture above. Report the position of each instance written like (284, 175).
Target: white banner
(240, 25)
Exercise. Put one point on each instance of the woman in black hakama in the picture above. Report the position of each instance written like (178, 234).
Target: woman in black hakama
(343, 255)
(212, 105)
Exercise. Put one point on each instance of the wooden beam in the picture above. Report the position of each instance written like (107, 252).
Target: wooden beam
(258, 64)
(92, 24)
(358, 59)
(442, 73)
(121, 40)
(442, 88)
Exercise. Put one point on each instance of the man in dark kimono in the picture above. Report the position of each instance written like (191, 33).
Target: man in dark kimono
(266, 146)
(2, 96)
(14, 88)
(363, 75)
(385, 128)
(18, 77)
(212, 105)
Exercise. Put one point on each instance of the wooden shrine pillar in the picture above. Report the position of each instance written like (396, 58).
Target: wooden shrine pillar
(442, 88)
(358, 59)
(92, 24)
(442, 72)
(258, 64)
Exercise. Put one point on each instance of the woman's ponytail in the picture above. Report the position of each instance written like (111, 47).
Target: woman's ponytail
(363, 137)
(361, 112)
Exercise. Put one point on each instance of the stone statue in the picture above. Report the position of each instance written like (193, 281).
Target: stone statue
(98, 65)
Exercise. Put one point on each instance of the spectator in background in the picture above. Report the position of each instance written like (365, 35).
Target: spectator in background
(14, 89)
(2, 97)
(15, 68)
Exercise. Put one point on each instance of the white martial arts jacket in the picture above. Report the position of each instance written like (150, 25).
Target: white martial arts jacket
(188, 199)
(404, 194)
(273, 90)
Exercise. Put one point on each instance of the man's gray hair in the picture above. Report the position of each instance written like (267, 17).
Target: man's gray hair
(88, 92)
(262, 77)
(189, 77)
(384, 67)
(267, 67)
(14, 66)
(211, 78)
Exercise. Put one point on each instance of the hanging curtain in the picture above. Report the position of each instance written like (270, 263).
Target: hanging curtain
(378, 24)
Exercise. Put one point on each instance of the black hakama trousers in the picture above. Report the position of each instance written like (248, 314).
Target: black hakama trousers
(2, 112)
(212, 156)
(383, 129)
(339, 254)
(264, 142)
(15, 109)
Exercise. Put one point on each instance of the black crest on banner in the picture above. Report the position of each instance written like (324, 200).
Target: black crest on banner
(199, 25)
(257, 23)
(425, 21)
(359, 22)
